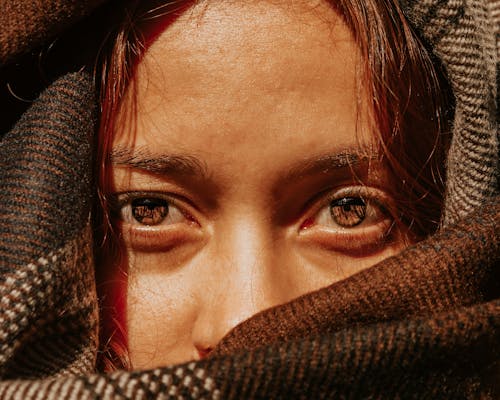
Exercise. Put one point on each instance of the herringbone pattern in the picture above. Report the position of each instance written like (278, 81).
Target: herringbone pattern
(464, 34)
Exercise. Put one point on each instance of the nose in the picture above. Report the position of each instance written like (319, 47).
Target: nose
(239, 285)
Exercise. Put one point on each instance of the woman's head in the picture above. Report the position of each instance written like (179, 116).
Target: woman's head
(254, 151)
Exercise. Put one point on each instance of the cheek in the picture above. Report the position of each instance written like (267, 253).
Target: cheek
(161, 311)
(321, 267)
(328, 263)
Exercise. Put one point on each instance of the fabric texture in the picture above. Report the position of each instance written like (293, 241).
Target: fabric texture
(464, 35)
(27, 24)
(424, 324)
(47, 277)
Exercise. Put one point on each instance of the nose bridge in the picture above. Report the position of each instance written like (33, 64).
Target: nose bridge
(240, 285)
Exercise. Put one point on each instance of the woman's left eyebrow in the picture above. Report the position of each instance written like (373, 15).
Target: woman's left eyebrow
(331, 163)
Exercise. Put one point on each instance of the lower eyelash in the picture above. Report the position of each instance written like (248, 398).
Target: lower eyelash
(357, 242)
(121, 200)
(153, 239)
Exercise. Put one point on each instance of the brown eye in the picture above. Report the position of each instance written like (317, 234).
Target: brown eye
(348, 212)
(149, 211)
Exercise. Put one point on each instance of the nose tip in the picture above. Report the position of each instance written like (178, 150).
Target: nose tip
(225, 315)
(228, 303)
(202, 352)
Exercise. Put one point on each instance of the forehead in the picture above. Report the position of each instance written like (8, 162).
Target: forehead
(211, 17)
(246, 40)
(242, 75)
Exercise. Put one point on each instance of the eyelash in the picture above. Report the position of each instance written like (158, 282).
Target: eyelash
(155, 236)
(374, 231)
(125, 206)
(359, 237)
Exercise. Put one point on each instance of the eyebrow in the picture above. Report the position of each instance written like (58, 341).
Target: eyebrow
(189, 165)
(162, 164)
(329, 163)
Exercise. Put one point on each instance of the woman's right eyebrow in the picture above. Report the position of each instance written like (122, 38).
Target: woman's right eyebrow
(162, 164)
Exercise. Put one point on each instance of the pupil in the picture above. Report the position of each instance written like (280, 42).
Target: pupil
(348, 212)
(149, 211)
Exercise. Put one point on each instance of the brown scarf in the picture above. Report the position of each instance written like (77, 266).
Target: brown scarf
(422, 324)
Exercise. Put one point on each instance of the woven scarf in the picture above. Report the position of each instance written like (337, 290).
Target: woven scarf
(424, 324)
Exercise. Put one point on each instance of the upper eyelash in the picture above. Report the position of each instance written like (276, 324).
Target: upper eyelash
(122, 199)
(119, 200)
(327, 196)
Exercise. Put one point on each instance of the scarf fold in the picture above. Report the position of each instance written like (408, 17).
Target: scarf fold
(465, 38)
(456, 268)
(48, 317)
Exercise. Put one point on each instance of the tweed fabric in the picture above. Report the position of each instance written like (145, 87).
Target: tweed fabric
(45, 172)
(436, 276)
(46, 272)
(350, 364)
(27, 24)
(464, 36)
(422, 324)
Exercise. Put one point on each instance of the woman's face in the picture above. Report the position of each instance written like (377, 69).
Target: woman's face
(244, 173)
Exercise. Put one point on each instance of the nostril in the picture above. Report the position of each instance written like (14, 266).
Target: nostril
(203, 352)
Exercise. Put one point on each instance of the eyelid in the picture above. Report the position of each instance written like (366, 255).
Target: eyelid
(372, 194)
(163, 237)
(360, 240)
(122, 199)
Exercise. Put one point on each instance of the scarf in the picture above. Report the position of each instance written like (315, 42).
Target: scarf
(422, 324)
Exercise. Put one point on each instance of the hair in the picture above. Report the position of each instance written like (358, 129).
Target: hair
(410, 103)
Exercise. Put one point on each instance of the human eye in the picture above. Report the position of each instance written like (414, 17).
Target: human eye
(351, 220)
(151, 221)
(149, 211)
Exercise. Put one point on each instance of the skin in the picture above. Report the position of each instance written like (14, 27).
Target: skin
(260, 103)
